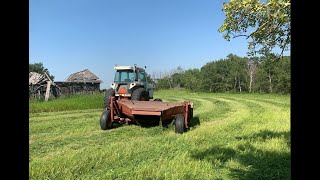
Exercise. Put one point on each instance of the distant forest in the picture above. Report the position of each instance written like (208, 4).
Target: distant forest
(233, 74)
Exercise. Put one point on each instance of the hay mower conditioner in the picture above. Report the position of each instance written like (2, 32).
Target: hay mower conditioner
(124, 111)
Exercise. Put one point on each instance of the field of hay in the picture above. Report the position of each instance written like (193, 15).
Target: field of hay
(240, 136)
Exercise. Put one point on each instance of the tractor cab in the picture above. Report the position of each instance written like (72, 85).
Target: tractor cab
(129, 74)
(130, 82)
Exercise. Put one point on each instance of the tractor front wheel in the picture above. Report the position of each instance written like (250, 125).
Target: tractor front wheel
(179, 124)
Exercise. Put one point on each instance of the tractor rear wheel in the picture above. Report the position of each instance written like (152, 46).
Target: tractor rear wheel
(105, 120)
(109, 93)
(179, 124)
(140, 94)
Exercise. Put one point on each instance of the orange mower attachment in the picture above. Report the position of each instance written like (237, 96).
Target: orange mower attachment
(126, 111)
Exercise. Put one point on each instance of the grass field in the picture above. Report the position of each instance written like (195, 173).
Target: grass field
(240, 136)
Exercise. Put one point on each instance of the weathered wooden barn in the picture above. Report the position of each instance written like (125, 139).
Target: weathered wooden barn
(41, 86)
(82, 82)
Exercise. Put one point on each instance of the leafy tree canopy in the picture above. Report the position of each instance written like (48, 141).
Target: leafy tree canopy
(39, 68)
(269, 22)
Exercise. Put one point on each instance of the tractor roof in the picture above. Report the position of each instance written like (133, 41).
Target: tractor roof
(123, 67)
(127, 68)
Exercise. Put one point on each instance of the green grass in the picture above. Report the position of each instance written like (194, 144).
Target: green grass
(75, 102)
(240, 136)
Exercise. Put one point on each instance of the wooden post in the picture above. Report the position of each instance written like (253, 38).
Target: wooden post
(39, 94)
(48, 90)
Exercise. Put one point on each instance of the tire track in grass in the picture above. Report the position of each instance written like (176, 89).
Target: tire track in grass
(57, 124)
(275, 102)
(266, 131)
(267, 119)
(53, 130)
(216, 133)
(206, 139)
(234, 119)
(207, 107)
(272, 114)
(267, 106)
(208, 130)
(39, 115)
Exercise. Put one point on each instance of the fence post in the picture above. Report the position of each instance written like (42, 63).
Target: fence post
(48, 90)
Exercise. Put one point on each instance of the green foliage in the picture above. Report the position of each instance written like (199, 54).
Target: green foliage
(235, 74)
(240, 136)
(266, 24)
(39, 68)
(149, 79)
(192, 80)
(175, 79)
(164, 83)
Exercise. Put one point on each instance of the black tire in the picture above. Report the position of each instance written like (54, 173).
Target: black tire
(158, 99)
(105, 120)
(109, 93)
(179, 124)
(140, 94)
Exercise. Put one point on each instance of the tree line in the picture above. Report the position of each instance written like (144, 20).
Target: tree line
(233, 74)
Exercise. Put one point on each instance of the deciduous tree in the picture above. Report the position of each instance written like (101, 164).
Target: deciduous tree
(266, 25)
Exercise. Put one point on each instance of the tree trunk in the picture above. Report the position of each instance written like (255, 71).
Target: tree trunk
(39, 96)
(169, 83)
(239, 85)
(235, 82)
(252, 67)
(251, 78)
(270, 81)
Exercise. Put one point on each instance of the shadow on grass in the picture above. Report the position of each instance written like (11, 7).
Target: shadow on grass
(255, 163)
(152, 121)
(265, 135)
(195, 121)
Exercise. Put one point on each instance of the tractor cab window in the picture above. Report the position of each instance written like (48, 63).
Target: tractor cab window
(141, 76)
(124, 76)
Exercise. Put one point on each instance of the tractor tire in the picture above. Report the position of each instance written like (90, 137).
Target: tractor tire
(179, 124)
(158, 100)
(109, 93)
(105, 120)
(140, 94)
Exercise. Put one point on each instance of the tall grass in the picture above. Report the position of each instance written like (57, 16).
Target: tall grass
(240, 136)
(75, 102)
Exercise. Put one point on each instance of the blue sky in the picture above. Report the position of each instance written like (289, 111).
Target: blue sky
(72, 35)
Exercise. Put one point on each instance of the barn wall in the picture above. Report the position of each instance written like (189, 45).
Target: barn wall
(79, 88)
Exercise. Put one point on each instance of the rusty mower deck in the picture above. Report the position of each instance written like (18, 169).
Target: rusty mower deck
(124, 111)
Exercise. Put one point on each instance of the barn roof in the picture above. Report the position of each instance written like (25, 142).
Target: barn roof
(36, 78)
(83, 76)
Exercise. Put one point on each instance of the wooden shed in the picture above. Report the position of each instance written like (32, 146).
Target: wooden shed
(82, 82)
(41, 86)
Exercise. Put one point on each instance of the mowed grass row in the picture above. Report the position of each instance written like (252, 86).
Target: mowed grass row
(240, 136)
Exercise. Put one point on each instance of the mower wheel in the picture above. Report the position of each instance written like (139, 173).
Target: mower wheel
(179, 124)
(105, 122)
